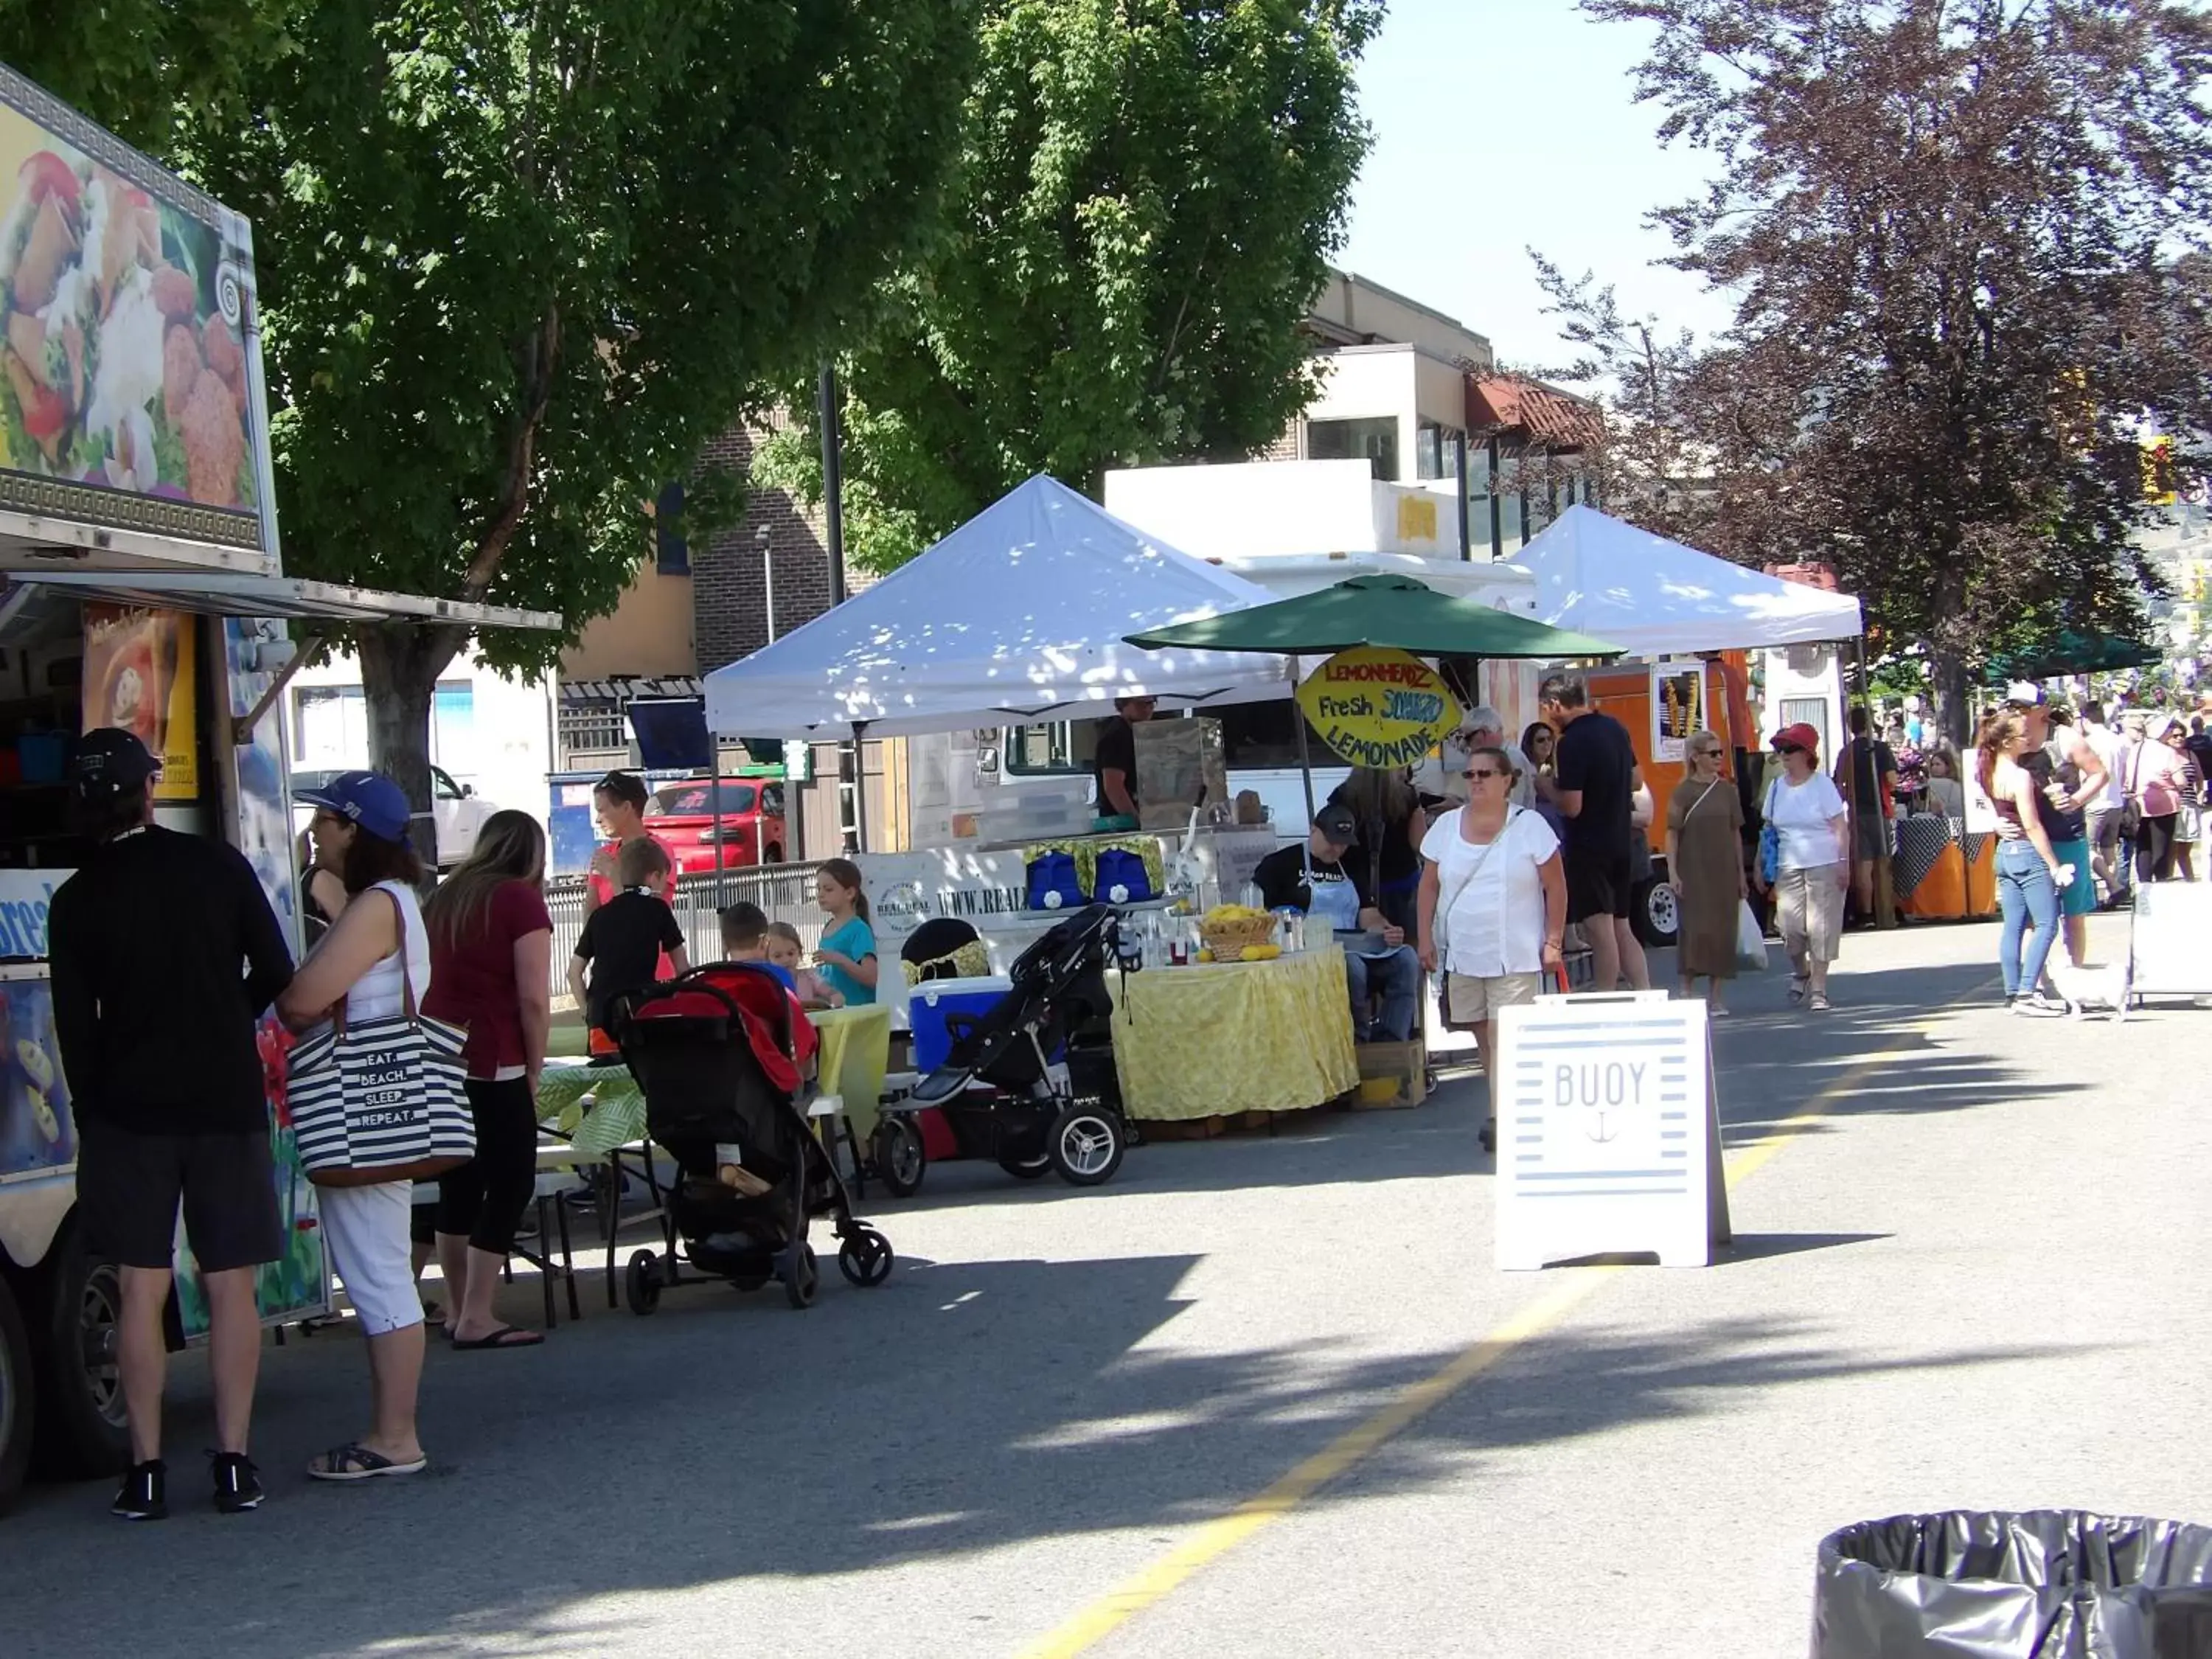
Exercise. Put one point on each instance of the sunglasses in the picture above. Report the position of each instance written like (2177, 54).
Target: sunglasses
(1788, 749)
(1482, 772)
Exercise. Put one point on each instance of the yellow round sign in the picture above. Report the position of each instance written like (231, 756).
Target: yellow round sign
(1379, 706)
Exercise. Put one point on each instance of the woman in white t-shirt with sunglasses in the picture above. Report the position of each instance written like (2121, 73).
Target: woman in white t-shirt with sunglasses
(1492, 906)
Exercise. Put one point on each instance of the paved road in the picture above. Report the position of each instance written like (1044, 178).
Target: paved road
(1972, 1278)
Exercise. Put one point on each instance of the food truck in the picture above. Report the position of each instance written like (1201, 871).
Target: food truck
(143, 589)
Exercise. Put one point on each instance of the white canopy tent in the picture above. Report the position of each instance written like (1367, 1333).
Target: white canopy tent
(1016, 615)
(1659, 599)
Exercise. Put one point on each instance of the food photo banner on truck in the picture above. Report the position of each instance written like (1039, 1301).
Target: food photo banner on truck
(129, 389)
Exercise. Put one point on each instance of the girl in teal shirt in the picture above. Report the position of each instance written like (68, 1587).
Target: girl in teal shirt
(847, 954)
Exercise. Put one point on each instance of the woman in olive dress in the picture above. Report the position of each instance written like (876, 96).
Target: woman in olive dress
(1704, 864)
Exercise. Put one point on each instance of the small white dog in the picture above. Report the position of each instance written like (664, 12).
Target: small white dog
(2103, 989)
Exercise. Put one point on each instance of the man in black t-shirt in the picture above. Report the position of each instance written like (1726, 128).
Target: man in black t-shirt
(1114, 761)
(165, 954)
(625, 938)
(1595, 783)
(1866, 777)
(1317, 879)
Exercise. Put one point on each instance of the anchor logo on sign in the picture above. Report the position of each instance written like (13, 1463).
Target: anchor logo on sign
(1602, 1094)
(1599, 1127)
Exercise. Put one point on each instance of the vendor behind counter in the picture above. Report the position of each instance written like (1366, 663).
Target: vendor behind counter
(1114, 764)
(1314, 877)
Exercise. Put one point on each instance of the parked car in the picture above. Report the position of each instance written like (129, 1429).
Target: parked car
(682, 813)
(458, 809)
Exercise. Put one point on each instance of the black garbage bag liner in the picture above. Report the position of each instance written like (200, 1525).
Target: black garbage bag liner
(2043, 1585)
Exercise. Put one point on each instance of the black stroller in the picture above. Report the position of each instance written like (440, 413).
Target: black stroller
(1031, 1084)
(720, 1053)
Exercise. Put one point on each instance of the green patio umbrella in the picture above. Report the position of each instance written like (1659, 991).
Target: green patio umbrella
(2072, 652)
(1384, 611)
(1387, 610)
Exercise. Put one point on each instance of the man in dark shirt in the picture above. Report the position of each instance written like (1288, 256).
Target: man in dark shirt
(625, 940)
(1316, 879)
(1114, 761)
(1866, 777)
(1594, 784)
(165, 954)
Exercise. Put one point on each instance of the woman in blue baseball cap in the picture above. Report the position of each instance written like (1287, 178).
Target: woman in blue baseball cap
(372, 956)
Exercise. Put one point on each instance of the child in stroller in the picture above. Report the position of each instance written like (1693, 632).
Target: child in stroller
(722, 1053)
(1031, 1084)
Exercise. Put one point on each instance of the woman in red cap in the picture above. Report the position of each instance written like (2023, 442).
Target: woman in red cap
(1813, 826)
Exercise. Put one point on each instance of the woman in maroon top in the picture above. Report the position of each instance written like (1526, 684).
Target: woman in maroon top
(491, 957)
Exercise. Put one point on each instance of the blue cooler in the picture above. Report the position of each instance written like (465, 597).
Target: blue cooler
(928, 1003)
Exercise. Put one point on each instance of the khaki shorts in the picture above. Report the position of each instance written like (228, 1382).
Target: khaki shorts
(1469, 1000)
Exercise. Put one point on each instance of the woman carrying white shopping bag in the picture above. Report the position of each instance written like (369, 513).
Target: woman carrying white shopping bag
(376, 1104)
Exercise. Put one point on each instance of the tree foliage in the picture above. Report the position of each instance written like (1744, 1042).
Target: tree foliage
(140, 67)
(1146, 196)
(520, 262)
(1966, 243)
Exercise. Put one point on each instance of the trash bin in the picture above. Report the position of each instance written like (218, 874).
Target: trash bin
(2043, 1584)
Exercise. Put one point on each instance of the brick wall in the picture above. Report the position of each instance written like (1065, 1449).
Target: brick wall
(729, 586)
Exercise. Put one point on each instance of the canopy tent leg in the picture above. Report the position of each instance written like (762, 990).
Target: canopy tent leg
(859, 774)
(1305, 757)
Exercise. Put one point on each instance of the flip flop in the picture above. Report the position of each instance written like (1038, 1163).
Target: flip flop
(502, 1336)
(354, 1461)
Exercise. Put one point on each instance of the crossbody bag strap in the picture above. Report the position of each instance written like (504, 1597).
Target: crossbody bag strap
(406, 979)
(1444, 908)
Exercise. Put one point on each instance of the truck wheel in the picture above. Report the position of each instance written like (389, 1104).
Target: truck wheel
(82, 1385)
(15, 1400)
(1655, 914)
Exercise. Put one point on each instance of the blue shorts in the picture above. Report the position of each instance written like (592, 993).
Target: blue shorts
(2078, 897)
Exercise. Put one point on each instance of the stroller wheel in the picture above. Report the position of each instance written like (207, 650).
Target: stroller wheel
(900, 1159)
(802, 1275)
(866, 1258)
(1086, 1145)
(641, 1285)
(1029, 1169)
(1490, 1136)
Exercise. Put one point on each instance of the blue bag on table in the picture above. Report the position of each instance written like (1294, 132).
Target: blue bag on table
(1053, 884)
(1122, 878)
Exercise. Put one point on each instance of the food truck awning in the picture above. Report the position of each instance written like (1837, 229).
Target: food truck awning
(211, 594)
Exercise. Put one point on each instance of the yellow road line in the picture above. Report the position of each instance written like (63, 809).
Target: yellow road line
(1254, 1515)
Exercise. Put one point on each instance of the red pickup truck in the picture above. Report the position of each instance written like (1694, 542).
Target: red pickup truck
(750, 829)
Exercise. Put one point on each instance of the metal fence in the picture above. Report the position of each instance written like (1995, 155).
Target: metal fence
(784, 891)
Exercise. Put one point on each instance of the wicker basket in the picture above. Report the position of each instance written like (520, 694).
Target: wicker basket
(1227, 939)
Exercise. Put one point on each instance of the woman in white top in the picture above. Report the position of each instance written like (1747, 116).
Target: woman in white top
(1492, 906)
(1947, 795)
(361, 961)
(1812, 824)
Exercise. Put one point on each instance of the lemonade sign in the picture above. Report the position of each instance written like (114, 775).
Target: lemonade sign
(1378, 707)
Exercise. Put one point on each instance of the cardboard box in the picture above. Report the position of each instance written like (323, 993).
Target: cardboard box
(1392, 1074)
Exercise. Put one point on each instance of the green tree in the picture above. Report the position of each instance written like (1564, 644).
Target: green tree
(1965, 239)
(139, 67)
(1147, 194)
(518, 263)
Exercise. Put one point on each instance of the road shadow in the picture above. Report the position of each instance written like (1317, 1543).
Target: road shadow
(960, 1408)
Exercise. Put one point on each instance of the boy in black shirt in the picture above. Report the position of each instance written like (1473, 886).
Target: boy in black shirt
(624, 940)
(165, 955)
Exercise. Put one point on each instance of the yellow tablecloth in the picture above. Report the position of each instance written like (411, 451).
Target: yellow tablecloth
(1234, 1036)
(856, 1051)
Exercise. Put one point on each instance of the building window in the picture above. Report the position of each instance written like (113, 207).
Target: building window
(592, 727)
(1436, 451)
(329, 728)
(1375, 441)
(672, 552)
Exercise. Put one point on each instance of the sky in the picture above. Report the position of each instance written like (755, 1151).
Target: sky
(1502, 125)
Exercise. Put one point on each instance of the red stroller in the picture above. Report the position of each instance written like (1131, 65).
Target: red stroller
(722, 1054)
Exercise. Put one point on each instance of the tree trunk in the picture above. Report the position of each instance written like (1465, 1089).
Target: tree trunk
(1947, 685)
(399, 667)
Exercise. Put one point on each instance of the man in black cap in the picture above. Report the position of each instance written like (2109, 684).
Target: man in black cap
(165, 954)
(1315, 879)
